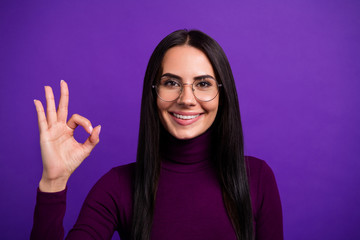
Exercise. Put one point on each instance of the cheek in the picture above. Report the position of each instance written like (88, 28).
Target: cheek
(212, 107)
(162, 110)
(161, 105)
(213, 111)
(159, 109)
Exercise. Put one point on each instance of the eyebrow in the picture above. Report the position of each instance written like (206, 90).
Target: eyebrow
(179, 78)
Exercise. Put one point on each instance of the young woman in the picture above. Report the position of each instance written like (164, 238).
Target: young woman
(191, 179)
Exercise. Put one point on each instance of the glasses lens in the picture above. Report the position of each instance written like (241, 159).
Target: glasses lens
(168, 89)
(205, 89)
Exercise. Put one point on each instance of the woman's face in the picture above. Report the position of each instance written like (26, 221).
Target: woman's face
(187, 117)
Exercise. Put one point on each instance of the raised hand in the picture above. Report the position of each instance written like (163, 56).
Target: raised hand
(61, 153)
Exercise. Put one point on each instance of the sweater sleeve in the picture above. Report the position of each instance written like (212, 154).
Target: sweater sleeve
(98, 218)
(269, 221)
(49, 215)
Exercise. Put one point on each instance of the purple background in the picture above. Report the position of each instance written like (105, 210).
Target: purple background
(297, 69)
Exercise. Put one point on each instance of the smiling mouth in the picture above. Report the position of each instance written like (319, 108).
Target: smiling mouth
(185, 117)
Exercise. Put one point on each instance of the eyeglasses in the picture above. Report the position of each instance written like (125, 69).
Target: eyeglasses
(204, 89)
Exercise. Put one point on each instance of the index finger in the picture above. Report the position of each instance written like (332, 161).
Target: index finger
(64, 102)
(43, 125)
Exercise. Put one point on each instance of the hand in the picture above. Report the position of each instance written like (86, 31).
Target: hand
(61, 153)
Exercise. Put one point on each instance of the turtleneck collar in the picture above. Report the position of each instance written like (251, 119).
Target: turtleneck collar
(188, 155)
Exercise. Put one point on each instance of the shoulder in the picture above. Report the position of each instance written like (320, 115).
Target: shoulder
(113, 192)
(261, 178)
(115, 184)
(257, 168)
(262, 183)
(265, 198)
(122, 172)
(108, 204)
(119, 177)
(260, 175)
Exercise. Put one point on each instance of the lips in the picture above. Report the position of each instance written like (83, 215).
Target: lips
(185, 118)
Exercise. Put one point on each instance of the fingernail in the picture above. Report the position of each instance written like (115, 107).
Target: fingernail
(99, 129)
(91, 129)
(61, 81)
(35, 100)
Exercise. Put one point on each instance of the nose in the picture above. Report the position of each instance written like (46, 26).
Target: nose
(187, 96)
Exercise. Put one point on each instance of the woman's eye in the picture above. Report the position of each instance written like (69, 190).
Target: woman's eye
(170, 83)
(203, 84)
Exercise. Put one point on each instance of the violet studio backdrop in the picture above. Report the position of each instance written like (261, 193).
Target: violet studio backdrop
(296, 66)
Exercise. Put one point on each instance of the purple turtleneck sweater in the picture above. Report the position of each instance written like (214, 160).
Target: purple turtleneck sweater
(189, 203)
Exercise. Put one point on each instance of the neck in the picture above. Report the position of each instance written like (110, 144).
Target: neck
(185, 155)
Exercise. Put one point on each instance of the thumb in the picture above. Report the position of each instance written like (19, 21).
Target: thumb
(93, 139)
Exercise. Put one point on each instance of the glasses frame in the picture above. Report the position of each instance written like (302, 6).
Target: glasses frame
(219, 85)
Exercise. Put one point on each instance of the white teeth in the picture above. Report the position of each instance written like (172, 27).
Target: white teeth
(185, 117)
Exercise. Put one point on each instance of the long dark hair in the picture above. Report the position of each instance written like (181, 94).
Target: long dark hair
(229, 154)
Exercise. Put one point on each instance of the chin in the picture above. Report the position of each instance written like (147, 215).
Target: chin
(184, 135)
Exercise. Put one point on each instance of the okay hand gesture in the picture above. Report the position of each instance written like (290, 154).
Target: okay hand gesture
(61, 153)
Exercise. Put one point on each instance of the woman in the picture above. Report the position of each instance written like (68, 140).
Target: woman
(190, 180)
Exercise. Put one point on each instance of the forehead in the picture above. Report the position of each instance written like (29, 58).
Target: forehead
(186, 61)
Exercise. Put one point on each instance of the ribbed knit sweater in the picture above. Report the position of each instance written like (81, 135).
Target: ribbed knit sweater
(189, 203)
